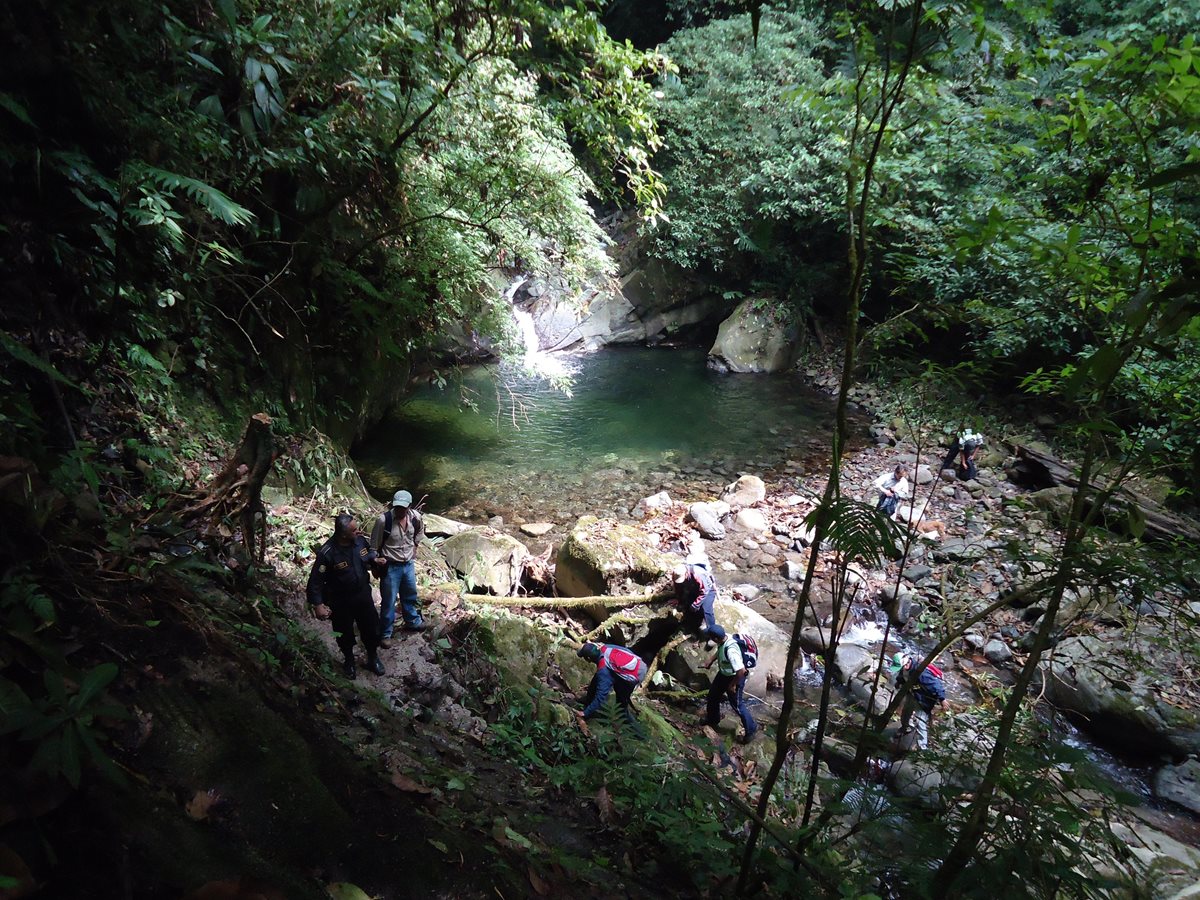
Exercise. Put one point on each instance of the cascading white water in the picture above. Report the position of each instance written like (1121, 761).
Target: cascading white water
(535, 360)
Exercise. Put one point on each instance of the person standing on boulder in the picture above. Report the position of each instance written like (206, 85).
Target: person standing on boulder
(339, 586)
(730, 682)
(696, 592)
(927, 693)
(395, 538)
(618, 669)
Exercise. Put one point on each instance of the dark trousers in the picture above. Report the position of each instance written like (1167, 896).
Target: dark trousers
(350, 610)
(719, 691)
(693, 617)
(965, 466)
(624, 691)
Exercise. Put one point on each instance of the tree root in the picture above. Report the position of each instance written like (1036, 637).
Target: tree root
(621, 618)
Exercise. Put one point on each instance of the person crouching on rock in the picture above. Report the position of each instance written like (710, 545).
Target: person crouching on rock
(924, 696)
(618, 669)
(696, 591)
(339, 585)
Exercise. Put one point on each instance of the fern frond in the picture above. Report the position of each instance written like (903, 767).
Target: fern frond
(857, 530)
(214, 202)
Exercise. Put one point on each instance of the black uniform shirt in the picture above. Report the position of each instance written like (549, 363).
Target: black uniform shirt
(340, 571)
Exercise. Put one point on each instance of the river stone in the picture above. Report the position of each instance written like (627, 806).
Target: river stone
(537, 529)
(1054, 501)
(746, 491)
(524, 650)
(1180, 784)
(750, 341)
(917, 780)
(1118, 698)
(656, 502)
(602, 556)
(751, 520)
(916, 573)
(487, 559)
(438, 526)
(1176, 865)
(924, 475)
(997, 652)
(707, 520)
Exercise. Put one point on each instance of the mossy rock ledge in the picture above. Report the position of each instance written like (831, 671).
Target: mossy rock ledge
(602, 556)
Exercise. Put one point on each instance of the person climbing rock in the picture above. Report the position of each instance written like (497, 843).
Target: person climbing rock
(893, 487)
(963, 450)
(339, 586)
(395, 538)
(926, 694)
(619, 670)
(696, 591)
(735, 657)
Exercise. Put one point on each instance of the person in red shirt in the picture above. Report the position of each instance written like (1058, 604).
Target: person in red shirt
(619, 670)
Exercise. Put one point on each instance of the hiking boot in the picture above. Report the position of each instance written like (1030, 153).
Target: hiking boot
(385, 643)
(418, 625)
(750, 737)
(348, 666)
(375, 664)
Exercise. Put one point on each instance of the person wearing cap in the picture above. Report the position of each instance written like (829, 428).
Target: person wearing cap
(928, 692)
(339, 587)
(696, 591)
(730, 684)
(619, 670)
(395, 538)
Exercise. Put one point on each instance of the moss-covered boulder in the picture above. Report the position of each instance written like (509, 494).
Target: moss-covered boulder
(1055, 502)
(1123, 693)
(489, 560)
(752, 339)
(602, 556)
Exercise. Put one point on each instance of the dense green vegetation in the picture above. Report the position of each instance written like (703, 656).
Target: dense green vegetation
(207, 210)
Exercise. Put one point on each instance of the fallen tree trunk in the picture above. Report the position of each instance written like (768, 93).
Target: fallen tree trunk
(608, 601)
(1036, 468)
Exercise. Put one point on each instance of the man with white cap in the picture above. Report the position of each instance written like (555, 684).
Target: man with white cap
(395, 538)
(927, 691)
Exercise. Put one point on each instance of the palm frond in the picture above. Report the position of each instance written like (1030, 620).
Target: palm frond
(857, 530)
(214, 202)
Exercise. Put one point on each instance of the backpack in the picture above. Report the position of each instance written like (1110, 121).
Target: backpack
(749, 649)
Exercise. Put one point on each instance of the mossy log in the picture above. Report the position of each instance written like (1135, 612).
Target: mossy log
(616, 601)
(1037, 468)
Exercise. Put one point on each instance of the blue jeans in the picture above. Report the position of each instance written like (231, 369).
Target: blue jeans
(718, 691)
(399, 579)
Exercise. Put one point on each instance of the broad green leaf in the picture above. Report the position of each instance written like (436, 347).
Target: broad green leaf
(22, 353)
(96, 680)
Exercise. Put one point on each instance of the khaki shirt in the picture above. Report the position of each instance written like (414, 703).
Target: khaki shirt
(401, 544)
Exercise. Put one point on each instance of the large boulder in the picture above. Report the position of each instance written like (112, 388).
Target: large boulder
(526, 653)
(1180, 784)
(1119, 692)
(707, 517)
(602, 556)
(488, 560)
(1055, 502)
(439, 526)
(752, 340)
(686, 661)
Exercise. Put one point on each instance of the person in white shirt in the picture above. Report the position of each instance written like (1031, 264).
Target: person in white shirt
(729, 684)
(892, 487)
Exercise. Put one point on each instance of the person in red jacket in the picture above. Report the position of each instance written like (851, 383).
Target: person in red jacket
(618, 669)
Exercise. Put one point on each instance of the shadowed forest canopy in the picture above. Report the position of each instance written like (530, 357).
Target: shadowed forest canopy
(236, 236)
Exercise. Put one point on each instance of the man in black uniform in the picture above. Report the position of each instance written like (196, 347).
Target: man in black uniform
(339, 585)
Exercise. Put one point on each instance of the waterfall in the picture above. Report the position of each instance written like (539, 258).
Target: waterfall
(534, 359)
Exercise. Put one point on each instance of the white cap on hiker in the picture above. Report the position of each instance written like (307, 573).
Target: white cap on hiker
(679, 573)
(402, 498)
(899, 661)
